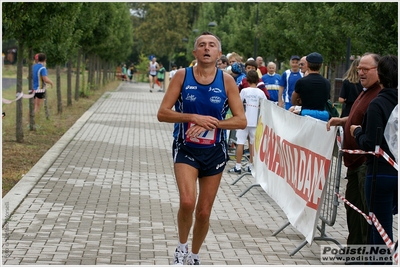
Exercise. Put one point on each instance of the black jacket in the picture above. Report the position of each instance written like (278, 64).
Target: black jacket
(377, 115)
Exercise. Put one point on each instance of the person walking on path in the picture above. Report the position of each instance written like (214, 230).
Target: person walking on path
(124, 73)
(201, 95)
(161, 76)
(40, 80)
(153, 68)
(131, 72)
(356, 163)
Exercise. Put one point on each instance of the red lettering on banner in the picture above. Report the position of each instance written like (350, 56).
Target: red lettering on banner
(304, 170)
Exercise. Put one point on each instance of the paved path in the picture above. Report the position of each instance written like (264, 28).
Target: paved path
(106, 194)
(8, 82)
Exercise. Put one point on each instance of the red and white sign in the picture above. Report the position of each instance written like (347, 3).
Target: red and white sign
(291, 163)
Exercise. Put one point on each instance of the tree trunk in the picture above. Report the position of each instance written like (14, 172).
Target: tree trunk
(78, 74)
(88, 64)
(31, 100)
(19, 133)
(331, 77)
(91, 80)
(105, 71)
(59, 100)
(69, 83)
(46, 107)
(83, 87)
(99, 73)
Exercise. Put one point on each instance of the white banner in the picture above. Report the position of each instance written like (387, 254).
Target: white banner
(291, 163)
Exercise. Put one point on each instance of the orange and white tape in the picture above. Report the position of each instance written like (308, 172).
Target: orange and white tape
(378, 152)
(371, 219)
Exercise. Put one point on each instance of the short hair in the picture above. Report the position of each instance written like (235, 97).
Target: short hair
(207, 33)
(251, 63)
(41, 57)
(314, 66)
(387, 71)
(252, 77)
(224, 59)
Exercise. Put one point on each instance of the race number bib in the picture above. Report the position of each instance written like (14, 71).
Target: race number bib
(205, 138)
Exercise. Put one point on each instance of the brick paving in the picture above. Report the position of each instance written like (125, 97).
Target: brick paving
(107, 196)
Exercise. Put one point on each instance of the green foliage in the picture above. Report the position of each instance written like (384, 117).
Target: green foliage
(163, 26)
(372, 27)
(143, 63)
(112, 32)
(62, 18)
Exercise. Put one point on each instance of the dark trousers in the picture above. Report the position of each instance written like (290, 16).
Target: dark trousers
(385, 201)
(356, 223)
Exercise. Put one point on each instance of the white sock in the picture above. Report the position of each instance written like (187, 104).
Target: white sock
(195, 256)
(238, 166)
(183, 247)
(250, 165)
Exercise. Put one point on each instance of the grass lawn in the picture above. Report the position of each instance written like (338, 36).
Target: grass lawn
(19, 158)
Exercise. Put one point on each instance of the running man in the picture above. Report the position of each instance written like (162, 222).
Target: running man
(153, 68)
(201, 95)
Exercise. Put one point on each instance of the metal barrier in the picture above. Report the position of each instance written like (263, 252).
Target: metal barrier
(330, 203)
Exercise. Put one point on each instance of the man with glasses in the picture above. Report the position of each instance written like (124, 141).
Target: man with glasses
(356, 164)
(303, 66)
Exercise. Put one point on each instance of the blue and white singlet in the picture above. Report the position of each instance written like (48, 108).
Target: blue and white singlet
(153, 68)
(204, 99)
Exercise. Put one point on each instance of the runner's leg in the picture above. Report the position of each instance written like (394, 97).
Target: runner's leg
(186, 177)
(208, 188)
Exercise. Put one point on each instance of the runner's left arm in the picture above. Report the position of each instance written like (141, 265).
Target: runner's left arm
(238, 119)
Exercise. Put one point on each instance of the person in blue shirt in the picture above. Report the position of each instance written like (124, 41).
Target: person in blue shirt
(40, 80)
(288, 80)
(271, 80)
(201, 96)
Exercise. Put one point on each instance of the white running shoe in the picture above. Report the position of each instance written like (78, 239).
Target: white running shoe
(180, 257)
(191, 261)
